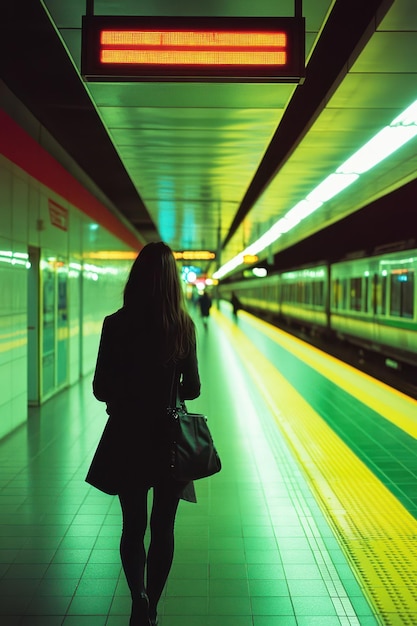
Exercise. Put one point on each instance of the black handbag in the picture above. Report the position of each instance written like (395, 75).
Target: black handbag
(193, 454)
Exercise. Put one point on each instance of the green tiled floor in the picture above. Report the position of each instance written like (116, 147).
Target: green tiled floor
(389, 451)
(254, 551)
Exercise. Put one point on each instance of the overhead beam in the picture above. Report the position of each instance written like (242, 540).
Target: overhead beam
(349, 27)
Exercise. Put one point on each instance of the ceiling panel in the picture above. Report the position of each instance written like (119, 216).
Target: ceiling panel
(380, 84)
(190, 149)
(361, 91)
(192, 158)
(191, 95)
(389, 53)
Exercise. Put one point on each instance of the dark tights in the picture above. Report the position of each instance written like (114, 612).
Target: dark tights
(161, 549)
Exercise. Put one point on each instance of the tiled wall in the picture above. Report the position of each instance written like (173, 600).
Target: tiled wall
(94, 287)
(13, 298)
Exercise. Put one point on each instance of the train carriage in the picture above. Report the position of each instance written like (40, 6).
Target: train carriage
(304, 295)
(373, 303)
(369, 301)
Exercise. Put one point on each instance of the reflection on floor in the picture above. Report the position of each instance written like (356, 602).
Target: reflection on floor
(255, 550)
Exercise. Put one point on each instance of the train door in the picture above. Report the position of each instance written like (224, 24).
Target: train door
(53, 324)
(33, 327)
(62, 324)
(379, 302)
(375, 305)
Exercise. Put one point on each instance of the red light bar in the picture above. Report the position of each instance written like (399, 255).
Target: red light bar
(200, 49)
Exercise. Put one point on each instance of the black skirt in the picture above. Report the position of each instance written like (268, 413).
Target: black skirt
(128, 456)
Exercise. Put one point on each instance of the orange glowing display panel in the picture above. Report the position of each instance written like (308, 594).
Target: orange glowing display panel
(200, 49)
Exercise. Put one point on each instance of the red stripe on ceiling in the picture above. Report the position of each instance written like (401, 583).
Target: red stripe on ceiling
(20, 148)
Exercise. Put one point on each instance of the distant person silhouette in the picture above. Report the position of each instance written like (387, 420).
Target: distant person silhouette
(205, 305)
(142, 345)
(235, 304)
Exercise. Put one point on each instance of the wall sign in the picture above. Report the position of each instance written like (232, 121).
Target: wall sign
(58, 215)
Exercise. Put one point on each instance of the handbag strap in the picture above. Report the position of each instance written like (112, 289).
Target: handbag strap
(174, 397)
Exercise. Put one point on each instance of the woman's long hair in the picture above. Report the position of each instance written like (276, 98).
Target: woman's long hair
(153, 291)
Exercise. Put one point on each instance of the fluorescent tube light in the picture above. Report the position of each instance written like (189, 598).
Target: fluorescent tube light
(331, 186)
(302, 209)
(401, 130)
(407, 117)
(387, 141)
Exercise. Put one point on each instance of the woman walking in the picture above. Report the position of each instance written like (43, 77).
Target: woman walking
(147, 348)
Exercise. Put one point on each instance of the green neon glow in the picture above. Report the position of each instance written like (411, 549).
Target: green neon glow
(401, 130)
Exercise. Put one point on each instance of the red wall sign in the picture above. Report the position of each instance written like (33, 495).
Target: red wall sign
(58, 215)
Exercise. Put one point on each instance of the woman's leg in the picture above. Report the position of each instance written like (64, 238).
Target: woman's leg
(161, 548)
(132, 548)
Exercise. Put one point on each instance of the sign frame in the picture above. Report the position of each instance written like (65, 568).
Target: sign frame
(93, 70)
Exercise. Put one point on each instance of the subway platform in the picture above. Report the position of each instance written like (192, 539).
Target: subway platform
(311, 522)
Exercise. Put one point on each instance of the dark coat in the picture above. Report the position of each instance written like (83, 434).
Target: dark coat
(135, 384)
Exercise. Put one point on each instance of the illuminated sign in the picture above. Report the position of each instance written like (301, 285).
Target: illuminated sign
(250, 258)
(194, 255)
(113, 255)
(193, 49)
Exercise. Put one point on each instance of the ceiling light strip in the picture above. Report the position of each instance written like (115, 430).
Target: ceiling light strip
(392, 137)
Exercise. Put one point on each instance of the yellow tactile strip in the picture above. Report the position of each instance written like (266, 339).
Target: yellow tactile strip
(391, 404)
(377, 533)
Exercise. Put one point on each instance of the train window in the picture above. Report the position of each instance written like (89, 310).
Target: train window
(308, 298)
(380, 295)
(343, 293)
(302, 295)
(336, 293)
(322, 288)
(402, 294)
(374, 294)
(408, 297)
(383, 310)
(318, 293)
(366, 294)
(355, 294)
(339, 290)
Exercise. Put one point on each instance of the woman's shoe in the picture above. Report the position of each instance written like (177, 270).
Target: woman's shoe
(140, 611)
(153, 621)
(153, 616)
